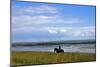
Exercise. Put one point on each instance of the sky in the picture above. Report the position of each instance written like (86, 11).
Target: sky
(34, 21)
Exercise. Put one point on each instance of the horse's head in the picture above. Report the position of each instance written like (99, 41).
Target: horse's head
(55, 49)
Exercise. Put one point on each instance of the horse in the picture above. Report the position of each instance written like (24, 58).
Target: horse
(56, 50)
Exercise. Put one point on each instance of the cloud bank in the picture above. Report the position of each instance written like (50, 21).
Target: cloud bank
(45, 22)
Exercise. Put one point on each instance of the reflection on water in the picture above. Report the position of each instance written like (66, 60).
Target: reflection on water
(87, 48)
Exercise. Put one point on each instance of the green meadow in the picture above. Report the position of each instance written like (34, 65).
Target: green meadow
(37, 58)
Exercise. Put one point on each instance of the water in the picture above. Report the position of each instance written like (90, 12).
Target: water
(84, 48)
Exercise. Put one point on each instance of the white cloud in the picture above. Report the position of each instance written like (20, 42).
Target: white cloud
(63, 30)
(72, 31)
(47, 9)
(31, 21)
(38, 20)
(83, 31)
(30, 10)
(52, 31)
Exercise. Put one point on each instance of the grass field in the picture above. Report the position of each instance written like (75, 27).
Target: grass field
(34, 58)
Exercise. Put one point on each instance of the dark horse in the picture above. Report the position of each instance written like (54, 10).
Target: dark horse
(58, 50)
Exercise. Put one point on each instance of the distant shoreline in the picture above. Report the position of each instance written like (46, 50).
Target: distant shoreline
(54, 42)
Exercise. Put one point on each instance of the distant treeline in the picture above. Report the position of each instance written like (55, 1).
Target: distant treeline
(54, 42)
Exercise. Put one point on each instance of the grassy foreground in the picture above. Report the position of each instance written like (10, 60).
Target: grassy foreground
(34, 58)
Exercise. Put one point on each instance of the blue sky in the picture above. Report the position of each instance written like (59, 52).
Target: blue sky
(33, 21)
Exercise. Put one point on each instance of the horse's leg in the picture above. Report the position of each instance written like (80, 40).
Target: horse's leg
(55, 51)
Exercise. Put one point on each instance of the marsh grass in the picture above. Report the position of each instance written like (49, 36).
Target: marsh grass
(35, 58)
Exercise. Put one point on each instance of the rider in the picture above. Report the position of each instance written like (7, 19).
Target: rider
(59, 47)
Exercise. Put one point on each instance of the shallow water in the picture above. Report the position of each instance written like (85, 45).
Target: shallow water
(85, 48)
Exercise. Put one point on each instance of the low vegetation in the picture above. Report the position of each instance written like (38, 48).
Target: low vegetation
(35, 58)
